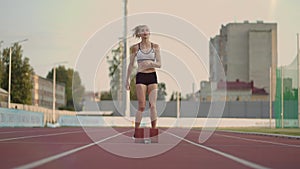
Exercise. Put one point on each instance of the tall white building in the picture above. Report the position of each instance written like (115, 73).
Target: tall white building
(246, 51)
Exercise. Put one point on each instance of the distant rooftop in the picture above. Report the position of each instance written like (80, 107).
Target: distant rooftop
(3, 91)
(239, 85)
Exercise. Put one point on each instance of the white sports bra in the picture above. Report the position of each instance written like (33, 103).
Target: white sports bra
(141, 56)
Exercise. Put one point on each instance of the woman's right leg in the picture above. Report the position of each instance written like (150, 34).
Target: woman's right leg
(141, 96)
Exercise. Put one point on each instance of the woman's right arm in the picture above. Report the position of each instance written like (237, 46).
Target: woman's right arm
(133, 51)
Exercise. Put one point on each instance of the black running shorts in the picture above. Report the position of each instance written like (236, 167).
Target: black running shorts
(146, 78)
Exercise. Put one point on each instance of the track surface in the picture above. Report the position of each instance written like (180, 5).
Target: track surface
(83, 148)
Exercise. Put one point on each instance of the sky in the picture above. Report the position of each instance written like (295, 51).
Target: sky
(63, 30)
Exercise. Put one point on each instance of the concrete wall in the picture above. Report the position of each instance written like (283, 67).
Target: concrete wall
(20, 118)
(237, 52)
(233, 109)
(260, 58)
(111, 121)
(239, 48)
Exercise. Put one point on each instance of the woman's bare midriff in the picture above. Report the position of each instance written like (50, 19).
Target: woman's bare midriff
(149, 70)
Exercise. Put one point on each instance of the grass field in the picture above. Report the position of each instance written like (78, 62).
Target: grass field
(284, 131)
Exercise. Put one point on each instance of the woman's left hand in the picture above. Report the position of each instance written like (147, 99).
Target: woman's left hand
(145, 65)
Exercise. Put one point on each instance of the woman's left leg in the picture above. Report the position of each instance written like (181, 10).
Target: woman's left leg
(141, 90)
(152, 93)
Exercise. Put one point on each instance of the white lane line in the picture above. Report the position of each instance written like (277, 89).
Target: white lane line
(259, 141)
(234, 158)
(18, 131)
(42, 135)
(252, 133)
(63, 154)
(263, 134)
(44, 143)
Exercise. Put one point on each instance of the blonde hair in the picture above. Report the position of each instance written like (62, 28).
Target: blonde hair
(137, 29)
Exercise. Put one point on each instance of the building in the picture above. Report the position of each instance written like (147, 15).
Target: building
(245, 51)
(3, 98)
(42, 93)
(235, 91)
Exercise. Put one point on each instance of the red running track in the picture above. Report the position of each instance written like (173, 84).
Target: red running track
(75, 148)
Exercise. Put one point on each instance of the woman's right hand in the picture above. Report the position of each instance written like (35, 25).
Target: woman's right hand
(127, 85)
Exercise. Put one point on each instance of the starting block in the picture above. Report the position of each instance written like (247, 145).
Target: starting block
(146, 136)
(154, 135)
(138, 135)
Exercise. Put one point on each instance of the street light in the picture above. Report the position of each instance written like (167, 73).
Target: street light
(126, 94)
(54, 88)
(9, 70)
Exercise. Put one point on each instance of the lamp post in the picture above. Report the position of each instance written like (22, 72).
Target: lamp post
(126, 94)
(54, 90)
(298, 72)
(9, 71)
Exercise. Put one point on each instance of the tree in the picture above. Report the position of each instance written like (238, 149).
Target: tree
(74, 90)
(161, 93)
(174, 96)
(115, 65)
(21, 85)
(114, 62)
(2, 70)
(77, 90)
(106, 95)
